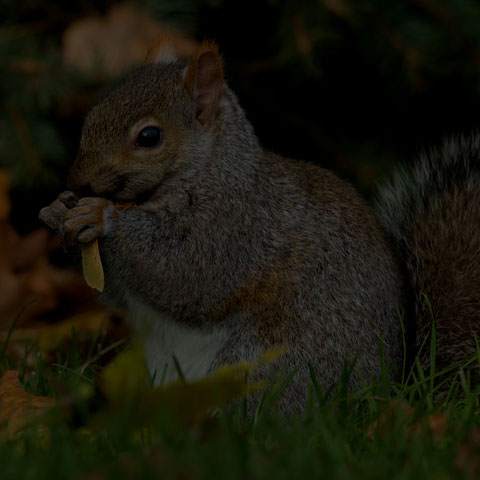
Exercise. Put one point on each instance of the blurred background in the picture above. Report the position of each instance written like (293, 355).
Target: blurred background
(358, 86)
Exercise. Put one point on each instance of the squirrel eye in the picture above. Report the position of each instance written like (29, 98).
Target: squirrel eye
(148, 137)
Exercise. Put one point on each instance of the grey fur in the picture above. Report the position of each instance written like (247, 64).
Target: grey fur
(431, 214)
(226, 236)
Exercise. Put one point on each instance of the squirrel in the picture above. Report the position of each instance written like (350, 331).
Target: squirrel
(230, 250)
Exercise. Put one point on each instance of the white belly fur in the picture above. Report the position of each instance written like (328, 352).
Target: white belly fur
(163, 338)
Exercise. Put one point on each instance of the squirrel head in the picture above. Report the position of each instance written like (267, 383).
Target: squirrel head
(144, 129)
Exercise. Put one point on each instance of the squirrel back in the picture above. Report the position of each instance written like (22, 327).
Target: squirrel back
(431, 212)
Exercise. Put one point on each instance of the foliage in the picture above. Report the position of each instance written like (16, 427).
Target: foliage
(356, 85)
(113, 424)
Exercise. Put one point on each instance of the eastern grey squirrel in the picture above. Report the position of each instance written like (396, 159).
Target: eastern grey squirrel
(230, 250)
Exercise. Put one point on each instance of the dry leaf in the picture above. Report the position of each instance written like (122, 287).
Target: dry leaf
(436, 422)
(395, 412)
(196, 400)
(338, 7)
(92, 266)
(114, 43)
(398, 412)
(126, 375)
(25, 272)
(18, 408)
(5, 204)
(50, 337)
(190, 402)
(467, 457)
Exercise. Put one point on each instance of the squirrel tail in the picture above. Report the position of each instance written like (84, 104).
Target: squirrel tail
(431, 214)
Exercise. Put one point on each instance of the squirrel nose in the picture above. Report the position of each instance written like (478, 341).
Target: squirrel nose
(88, 179)
(92, 186)
(78, 184)
(82, 171)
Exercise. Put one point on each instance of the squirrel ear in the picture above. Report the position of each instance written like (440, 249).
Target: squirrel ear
(204, 80)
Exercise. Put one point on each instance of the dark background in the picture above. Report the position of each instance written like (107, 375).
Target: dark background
(354, 85)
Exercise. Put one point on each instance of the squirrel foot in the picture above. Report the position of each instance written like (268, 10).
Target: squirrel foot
(77, 220)
(86, 221)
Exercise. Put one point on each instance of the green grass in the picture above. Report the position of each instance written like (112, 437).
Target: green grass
(339, 436)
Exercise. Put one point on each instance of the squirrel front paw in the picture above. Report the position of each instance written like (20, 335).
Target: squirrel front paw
(77, 220)
(54, 214)
(86, 221)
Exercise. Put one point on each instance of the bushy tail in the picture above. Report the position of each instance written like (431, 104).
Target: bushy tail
(431, 212)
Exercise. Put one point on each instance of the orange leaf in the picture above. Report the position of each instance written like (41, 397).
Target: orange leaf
(112, 44)
(50, 337)
(467, 458)
(399, 412)
(391, 417)
(18, 408)
(4, 195)
(436, 423)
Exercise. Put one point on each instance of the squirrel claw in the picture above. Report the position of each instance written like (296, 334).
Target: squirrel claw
(69, 199)
(85, 222)
(54, 215)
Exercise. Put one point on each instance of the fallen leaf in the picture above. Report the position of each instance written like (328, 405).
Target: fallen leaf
(391, 417)
(18, 408)
(122, 38)
(126, 376)
(437, 423)
(196, 400)
(50, 337)
(123, 382)
(24, 266)
(338, 7)
(467, 457)
(400, 412)
(5, 204)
